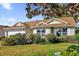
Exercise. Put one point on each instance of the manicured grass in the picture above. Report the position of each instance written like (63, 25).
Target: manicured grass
(32, 49)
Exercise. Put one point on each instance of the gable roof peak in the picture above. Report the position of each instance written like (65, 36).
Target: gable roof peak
(18, 23)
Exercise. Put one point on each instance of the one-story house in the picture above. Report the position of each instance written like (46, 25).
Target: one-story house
(2, 32)
(57, 26)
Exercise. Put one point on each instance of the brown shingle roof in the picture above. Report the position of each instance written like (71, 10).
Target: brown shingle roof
(70, 22)
(23, 25)
(14, 28)
(33, 23)
(2, 27)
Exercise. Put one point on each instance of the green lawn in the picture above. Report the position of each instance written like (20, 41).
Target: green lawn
(33, 49)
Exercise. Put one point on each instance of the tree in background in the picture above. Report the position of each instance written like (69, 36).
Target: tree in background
(48, 10)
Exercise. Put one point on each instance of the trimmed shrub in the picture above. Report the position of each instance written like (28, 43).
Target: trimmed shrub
(2, 37)
(37, 39)
(68, 39)
(52, 38)
(77, 31)
(7, 41)
(43, 40)
(18, 39)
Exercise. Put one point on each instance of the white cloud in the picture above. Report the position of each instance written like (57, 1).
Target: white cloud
(11, 21)
(6, 5)
(8, 21)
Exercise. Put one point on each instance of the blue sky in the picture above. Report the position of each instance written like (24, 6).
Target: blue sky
(11, 13)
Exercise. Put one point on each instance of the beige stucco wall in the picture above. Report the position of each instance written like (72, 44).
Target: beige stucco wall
(70, 31)
(48, 31)
(34, 31)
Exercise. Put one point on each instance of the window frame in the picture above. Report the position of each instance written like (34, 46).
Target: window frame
(41, 32)
(62, 31)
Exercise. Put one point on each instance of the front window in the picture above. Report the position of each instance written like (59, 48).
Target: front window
(41, 32)
(62, 31)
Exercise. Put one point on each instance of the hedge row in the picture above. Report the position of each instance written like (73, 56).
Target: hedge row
(21, 39)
